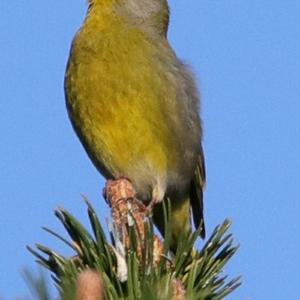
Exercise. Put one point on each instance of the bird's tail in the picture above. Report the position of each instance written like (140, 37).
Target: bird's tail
(179, 220)
(180, 214)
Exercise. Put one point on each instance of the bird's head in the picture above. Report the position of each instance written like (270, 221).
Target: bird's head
(152, 14)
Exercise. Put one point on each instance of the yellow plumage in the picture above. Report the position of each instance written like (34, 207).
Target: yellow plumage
(134, 105)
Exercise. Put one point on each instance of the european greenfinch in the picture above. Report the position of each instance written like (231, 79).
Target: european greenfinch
(135, 107)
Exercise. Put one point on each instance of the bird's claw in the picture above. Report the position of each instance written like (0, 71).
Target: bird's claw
(150, 206)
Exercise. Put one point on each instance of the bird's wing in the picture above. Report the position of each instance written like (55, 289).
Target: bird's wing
(196, 193)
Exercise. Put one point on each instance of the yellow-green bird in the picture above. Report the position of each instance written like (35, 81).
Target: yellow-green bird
(135, 107)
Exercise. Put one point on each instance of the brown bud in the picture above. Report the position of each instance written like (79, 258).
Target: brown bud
(178, 290)
(89, 286)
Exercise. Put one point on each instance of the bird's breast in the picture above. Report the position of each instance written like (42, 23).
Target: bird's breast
(124, 107)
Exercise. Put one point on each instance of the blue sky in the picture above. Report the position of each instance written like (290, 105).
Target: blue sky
(246, 55)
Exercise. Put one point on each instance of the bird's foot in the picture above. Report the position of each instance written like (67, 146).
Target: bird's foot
(157, 196)
(150, 206)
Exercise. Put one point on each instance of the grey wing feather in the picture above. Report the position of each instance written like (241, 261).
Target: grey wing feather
(196, 194)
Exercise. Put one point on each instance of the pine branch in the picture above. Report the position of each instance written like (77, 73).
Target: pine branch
(134, 263)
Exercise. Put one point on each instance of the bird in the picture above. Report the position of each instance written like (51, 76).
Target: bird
(135, 107)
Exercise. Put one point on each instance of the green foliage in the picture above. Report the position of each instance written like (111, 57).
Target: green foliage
(131, 275)
(38, 285)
